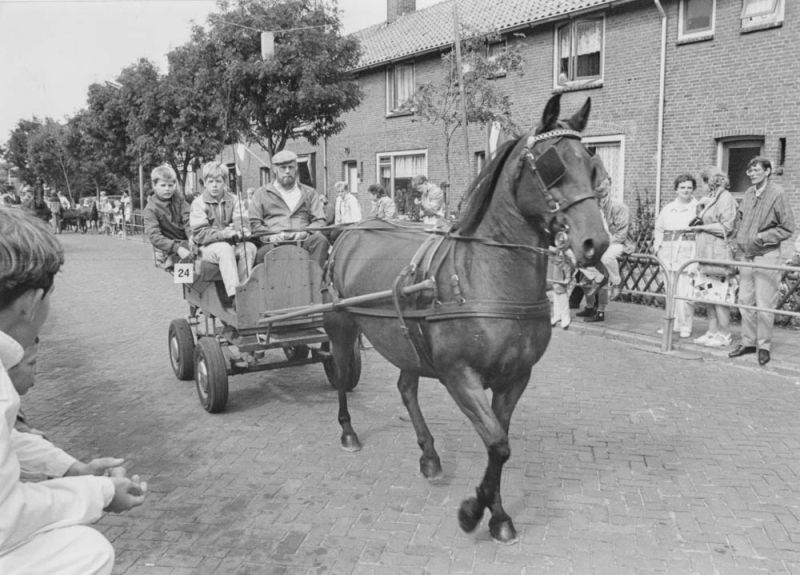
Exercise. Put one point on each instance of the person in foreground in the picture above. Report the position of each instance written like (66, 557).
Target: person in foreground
(43, 525)
(287, 211)
(764, 221)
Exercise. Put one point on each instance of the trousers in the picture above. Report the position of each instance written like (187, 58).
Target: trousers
(235, 262)
(315, 244)
(760, 288)
(75, 550)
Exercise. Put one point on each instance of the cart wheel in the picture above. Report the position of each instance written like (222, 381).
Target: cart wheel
(355, 367)
(181, 349)
(211, 375)
(293, 352)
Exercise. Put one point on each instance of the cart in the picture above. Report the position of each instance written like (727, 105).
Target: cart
(276, 310)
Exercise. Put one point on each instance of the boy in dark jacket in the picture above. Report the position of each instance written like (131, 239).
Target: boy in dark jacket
(166, 216)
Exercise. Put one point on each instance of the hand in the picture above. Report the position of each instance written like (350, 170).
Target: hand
(230, 233)
(100, 466)
(416, 201)
(128, 493)
(183, 253)
(300, 236)
(275, 238)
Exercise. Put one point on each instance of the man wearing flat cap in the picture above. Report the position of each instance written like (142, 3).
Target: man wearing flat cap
(286, 210)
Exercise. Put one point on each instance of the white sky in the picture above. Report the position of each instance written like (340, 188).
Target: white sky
(52, 50)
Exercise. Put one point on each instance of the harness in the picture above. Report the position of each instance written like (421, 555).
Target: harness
(438, 248)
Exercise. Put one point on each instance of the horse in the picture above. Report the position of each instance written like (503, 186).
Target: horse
(481, 318)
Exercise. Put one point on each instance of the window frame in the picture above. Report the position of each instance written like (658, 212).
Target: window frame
(391, 97)
(617, 180)
(392, 155)
(699, 35)
(762, 21)
(594, 81)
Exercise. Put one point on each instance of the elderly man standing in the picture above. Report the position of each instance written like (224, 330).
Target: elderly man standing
(431, 201)
(285, 210)
(764, 221)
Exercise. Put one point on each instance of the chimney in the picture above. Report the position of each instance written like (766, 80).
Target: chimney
(396, 8)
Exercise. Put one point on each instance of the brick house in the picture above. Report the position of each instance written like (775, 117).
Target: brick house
(676, 85)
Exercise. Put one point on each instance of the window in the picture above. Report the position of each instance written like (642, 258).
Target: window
(399, 87)
(760, 14)
(480, 161)
(350, 175)
(611, 150)
(579, 53)
(232, 179)
(734, 154)
(306, 168)
(696, 19)
(396, 169)
(264, 176)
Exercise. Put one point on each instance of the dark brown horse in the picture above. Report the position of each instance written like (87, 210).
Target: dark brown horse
(484, 322)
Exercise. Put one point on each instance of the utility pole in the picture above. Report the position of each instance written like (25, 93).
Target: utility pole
(457, 38)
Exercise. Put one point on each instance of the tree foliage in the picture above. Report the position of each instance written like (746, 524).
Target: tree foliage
(304, 87)
(485, 58)
(16, 152)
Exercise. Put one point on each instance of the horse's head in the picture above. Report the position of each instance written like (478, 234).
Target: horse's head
(557, 183)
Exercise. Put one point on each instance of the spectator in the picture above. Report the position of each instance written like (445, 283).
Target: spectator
(560, 274)
(717, 214)
(383, 207)
(286, 210)
(431, 200)
(617, 218)
(674, 243)
(763, 222)
(65, 203)
(56, 209)
(42, 525)
(347, 210)
(217, 217)
(249, 198)
(166, 217)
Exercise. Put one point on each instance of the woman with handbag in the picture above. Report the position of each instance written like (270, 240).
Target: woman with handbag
(716, 217)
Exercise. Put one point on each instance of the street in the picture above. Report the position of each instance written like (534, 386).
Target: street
(623, 460)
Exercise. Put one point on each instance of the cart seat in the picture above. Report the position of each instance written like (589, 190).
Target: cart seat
(206, 271)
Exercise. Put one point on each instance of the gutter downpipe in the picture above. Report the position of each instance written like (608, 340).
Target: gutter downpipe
(661, 82)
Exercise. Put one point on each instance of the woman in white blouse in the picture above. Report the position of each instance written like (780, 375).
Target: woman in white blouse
(674, 244)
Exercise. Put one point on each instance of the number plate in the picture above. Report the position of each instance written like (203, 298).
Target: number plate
(184, 273)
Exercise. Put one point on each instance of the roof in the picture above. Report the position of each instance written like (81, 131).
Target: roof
(432, 28)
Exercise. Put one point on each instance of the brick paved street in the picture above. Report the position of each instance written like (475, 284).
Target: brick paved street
(623, 461)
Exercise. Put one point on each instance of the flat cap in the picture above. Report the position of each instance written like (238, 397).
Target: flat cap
(284, 157)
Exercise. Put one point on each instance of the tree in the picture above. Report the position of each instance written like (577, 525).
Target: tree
(17, 149)
(303, 88)
(106, 127)
(49, 156)
(439, 102)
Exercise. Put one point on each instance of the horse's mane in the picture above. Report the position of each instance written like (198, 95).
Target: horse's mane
(476, 200)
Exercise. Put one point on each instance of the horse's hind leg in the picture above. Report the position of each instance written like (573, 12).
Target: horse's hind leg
(467, 390)
(343, 333)
(429, 464)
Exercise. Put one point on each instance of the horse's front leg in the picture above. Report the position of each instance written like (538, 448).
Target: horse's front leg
(429, 464)
(467, 391)
(343, 333)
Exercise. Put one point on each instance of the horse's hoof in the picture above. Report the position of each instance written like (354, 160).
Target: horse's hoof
(351, 443)
(431, 468)
(470, 514)
(503, 532)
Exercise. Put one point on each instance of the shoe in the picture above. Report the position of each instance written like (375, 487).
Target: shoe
(660, 331)
(705, 338)
(744, 350)
(598, 316)
(616, 291)
(685, 333)
(763, 356)
(587, 312)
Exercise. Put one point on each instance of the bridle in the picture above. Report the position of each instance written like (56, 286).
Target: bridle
(548, 169)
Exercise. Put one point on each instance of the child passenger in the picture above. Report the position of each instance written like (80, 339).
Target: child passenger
(217, 217)
(166, 216)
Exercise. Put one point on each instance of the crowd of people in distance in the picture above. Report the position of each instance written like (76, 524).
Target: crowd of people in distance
(712, 227)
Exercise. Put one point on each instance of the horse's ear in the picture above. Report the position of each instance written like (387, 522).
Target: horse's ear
(581, 118)
(550, 114)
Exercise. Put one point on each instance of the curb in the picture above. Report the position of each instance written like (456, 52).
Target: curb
(682, 350)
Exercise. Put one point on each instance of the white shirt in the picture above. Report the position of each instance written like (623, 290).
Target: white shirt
(27, 509)
(291, 197)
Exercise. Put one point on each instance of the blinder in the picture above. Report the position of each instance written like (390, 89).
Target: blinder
(550, 167)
